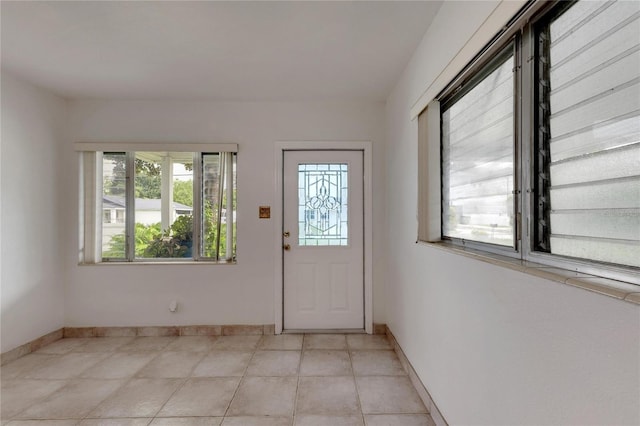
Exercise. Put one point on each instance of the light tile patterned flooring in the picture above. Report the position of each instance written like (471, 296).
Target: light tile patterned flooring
(315, 379)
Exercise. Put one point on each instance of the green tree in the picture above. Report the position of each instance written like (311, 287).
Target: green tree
(144, 236)
(148, 178)
(183, 192)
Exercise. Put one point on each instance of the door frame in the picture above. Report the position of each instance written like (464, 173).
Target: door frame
(278, 216)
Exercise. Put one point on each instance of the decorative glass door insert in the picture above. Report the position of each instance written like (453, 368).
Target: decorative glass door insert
(322, 205)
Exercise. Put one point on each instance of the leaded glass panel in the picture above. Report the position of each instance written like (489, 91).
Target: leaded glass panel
(322, 205)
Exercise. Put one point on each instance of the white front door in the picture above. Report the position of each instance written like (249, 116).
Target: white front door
(323, 240)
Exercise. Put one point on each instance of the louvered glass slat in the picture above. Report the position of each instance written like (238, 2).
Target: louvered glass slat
(477, 161)
(595, 132)
(604, 165)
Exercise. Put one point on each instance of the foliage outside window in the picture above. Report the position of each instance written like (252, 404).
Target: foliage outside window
(540, 143)
(166, 205)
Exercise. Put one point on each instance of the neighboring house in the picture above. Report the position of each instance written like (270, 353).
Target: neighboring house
(148, 210)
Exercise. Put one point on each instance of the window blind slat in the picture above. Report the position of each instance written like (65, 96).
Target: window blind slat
(595, 30)
(613, 45)
(620, 195)
(602, 251)
(595, 133)
(607, 223)
(604, 135)
(613, 104)
(606, 165)
(616, 74)
(567, 23)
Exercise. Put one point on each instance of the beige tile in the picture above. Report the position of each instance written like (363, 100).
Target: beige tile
(201, 330)
(25, 365)
(15, 353)
(103, 344)
(186, 421)
(242, 330)
(42, 423)
(46, 340)
(320, 420)
(201, 397)
(399, 420)
(419, 387)
(325, 341)
(236, 343)
(17, 395)
(223, 363)
(119, 365)
(171, 365)
(380, 329)
(322, 395)
(282, 342)
(146, 344)
(116, 331)
(70, 332)
(158, 331)
(264, 396)
(257, 421)
(325, 363)
(368, 342)
(192, 344)
(140, 421)
(62, 346)
(138, 398)
(73, 401)
(402, 357)
(633, 298)
(376, 363)
(274, 363)
(65, 366)
(382, 395)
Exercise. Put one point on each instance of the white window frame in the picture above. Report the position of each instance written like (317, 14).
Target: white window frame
(90, 161)
(521, 26)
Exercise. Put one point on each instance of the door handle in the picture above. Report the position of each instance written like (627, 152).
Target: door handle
(287, 247)
(286, 234)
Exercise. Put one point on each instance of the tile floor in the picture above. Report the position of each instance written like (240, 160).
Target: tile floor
(313, 379)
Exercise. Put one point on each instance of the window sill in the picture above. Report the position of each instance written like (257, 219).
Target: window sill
(620, 290)
(155, 263)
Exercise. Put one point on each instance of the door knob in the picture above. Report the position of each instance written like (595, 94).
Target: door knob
(287, 247)
(286, 234)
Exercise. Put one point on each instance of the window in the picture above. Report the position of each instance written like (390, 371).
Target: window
(478, 157)
(540, 141)
(588, 139)
(160, 204)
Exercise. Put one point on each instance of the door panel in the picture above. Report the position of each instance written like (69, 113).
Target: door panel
(323, 240)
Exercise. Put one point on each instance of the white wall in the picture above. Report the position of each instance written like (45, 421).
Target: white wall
(495, 346)
(33, 130)
(127, 295)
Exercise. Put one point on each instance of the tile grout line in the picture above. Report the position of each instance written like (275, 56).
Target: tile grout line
(355, 382)
(244, 373)
(295, 400)
(126, 381)
(69, 381)
(186, 379)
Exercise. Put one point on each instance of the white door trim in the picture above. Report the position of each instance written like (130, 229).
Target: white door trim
(277, 215)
